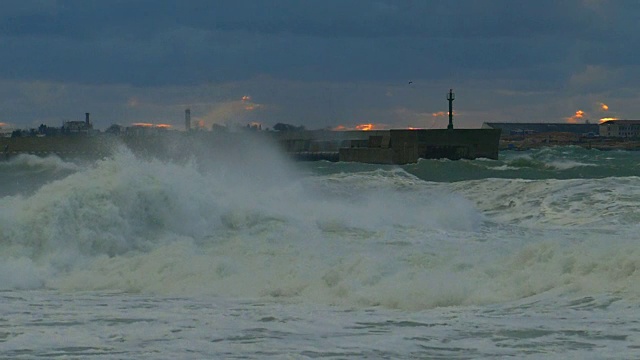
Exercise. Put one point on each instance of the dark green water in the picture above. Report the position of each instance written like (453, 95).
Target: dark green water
(546, 163)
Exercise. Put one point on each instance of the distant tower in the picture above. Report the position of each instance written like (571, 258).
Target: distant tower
(86, 120)
(450, 96)
(187, 119)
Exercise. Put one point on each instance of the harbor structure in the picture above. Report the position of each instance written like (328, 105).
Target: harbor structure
(620, 128)
(626, 128)
(395, 146)
(403, 146)
(530, 128)
(78, 126)
(450, 97)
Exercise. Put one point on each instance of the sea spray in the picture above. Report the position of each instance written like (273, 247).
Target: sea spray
(375, 237)
(131, 213)
(212, 255)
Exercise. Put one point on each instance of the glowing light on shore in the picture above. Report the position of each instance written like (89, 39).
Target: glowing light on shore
(361, 127)
(577, 116)
(3, 124)
(365, 127)
(248, 104)
(607, 119)
(150, 125)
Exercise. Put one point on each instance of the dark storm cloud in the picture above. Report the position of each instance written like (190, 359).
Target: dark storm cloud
(150, 43)
(321, 62)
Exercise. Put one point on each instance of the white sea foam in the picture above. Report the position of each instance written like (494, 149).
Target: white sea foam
(37, 163)
(137, 258)
(567, 164)
(379, 238)
(596, 203)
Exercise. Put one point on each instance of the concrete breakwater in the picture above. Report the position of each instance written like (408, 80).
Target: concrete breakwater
(167, 144)
(400, 146)
(378, 146)
(58, 145)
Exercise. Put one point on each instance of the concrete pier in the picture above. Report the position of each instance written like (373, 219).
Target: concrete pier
(378, 146)
(395, 146)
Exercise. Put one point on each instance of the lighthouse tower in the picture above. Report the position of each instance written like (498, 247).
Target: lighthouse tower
(450, 96)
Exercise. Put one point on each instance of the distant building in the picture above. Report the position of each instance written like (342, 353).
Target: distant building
(5, 132)
(218, 127)
(44, 130)
(620, 128)
(515, 128)
(78, 126)
(254, 126)
(115, 129)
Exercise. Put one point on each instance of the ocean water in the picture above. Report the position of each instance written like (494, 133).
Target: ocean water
(532, 256)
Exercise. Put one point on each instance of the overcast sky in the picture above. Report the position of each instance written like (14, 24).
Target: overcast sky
(318, 63)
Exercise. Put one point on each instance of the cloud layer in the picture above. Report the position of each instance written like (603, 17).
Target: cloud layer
(317, 63)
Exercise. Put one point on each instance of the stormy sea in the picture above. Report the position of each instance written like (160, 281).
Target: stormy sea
(532, 256)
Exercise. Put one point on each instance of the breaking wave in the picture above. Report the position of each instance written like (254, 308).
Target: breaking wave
(353, 236)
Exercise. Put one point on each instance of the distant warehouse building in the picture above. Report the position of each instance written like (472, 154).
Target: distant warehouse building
(70, 127)
(620, 128)
(515, 128)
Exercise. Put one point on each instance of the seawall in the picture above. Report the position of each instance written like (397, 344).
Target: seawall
(379, 146)
(407, 146)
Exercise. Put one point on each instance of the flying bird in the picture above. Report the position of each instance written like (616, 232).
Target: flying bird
(410, 82)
